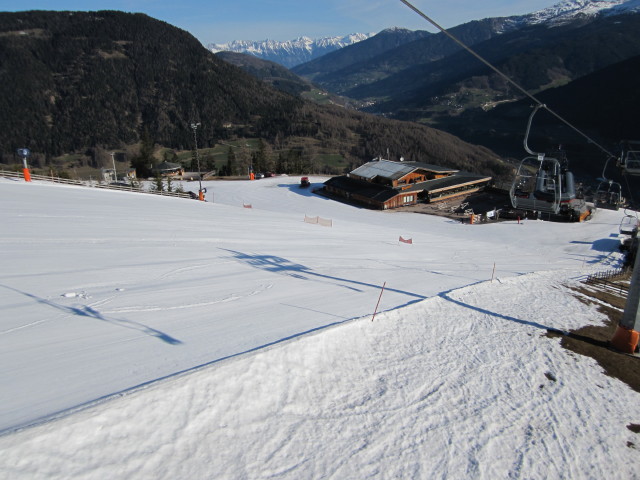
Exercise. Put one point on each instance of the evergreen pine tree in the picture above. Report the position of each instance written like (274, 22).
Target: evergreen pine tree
(231, 162)
(170, 156)
(194, 161)
(158, 183)
(281, 165)
(143, 161)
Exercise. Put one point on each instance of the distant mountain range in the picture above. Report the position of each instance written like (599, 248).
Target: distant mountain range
(350, 70)
(304, 49)
(433, 80)
(569, 10)
(580, 57)
(291, 52)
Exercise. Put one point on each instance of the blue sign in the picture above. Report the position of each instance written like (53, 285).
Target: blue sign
(25, 152)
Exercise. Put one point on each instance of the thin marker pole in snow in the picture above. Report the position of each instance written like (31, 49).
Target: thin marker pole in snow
(376, 310)
(25, 152)
(494, 271)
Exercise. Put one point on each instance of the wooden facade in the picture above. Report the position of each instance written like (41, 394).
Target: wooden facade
(384, 184)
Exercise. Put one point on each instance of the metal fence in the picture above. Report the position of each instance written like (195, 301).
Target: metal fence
(605, 279)
(92, 184)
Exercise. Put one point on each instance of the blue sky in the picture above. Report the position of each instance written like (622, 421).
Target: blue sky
(217, 21)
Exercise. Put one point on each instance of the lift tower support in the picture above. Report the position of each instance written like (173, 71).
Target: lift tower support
(627, 334)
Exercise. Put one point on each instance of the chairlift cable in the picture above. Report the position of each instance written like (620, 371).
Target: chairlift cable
(605, 168)
(526, 135)
(503, 75)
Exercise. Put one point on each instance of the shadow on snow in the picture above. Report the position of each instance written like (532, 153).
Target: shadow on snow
(87, 311)
(275, 264)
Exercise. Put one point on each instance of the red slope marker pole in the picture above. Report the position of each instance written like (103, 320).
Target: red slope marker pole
(377, 304)
(25, 170)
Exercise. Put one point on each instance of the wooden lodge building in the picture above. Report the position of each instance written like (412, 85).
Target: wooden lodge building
(168, 169)
(384, 184)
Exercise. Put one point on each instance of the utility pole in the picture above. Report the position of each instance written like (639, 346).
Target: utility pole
(113, 160)
(628, 332)
(195, 126)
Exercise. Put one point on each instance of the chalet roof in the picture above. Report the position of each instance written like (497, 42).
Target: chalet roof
(167, 166)
(431, 168)
(457, 179)
(383, 168)
(375, 192)
(395, 170)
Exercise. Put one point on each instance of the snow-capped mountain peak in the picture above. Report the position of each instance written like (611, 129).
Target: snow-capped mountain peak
(567, 10)
(291, 52)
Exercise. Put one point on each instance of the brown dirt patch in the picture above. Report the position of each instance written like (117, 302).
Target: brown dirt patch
(593, 340)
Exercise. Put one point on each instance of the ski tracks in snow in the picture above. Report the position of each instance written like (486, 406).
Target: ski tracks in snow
(228, 298)
(431, 390)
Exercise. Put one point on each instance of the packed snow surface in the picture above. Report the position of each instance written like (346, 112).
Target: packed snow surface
(154, 337)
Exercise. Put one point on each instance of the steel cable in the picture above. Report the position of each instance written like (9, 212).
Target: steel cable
(504, 76)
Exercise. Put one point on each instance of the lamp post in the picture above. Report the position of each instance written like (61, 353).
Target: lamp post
(195, 126)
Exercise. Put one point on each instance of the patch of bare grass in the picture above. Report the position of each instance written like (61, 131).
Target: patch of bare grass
(594, 340)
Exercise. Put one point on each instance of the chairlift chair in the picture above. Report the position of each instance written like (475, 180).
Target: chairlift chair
(630, 158)
(538, 183)
(629, 225)
(608, 195)
(544, 184)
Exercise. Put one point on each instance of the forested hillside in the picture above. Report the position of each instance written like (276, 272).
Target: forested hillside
(585, 68)
(604, 105)
(80, 81)
(341, 63)
(433, 81)
(354, 68)
(268, 72)
(72, 80)
(536, 57)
